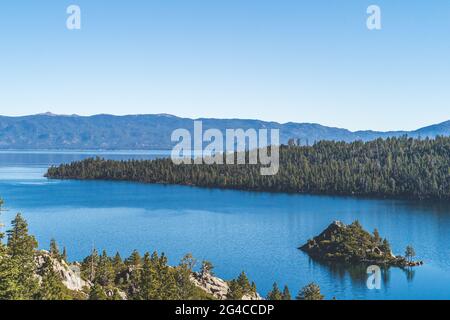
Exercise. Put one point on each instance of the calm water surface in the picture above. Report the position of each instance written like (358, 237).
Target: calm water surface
(255, 232)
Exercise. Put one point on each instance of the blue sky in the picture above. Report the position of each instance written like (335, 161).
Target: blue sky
(281, 60)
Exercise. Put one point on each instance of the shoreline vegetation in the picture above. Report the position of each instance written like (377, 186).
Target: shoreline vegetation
(351, 244)
(397, 168)
(27, 273)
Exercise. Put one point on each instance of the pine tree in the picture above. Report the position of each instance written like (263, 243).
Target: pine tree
(105, 275)
(244, 283)
(239, 287)
(386, 247)
(148, 280)
(17, 270)
(89, 266)
(168, 290)
(52, 287)
(134, 267)
(118, 264)
(310, 292)
(410, 253)
(64, 255)
(286, 294)
(377, 239)
(185, 287)
(97, 293)
(275, 294)
(134, 260)
(20, 243)
(54, 250)
(10, 287)
(235, 291)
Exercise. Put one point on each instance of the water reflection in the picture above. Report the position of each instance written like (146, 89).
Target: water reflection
(358, 274)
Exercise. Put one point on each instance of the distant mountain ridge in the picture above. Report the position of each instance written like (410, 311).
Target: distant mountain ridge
(145, 132)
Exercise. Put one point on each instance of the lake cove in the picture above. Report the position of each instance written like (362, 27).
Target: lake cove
(195, 311)
(127, 216)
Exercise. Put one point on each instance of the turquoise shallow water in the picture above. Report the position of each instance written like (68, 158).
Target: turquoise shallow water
(255, 232)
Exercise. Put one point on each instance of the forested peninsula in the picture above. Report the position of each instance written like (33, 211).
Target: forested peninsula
(383, 168)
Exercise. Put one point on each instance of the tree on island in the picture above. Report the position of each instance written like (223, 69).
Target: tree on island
(376, 237)
(410, 253)
(310, 292)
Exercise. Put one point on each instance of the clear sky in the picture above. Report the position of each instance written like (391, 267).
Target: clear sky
(281, 60)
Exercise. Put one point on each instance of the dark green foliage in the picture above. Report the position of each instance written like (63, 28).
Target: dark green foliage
(147, 278)
(349, 243)
(286, 294)
(185, 288)
(275, 293)
(17, 267)
(104, 275)
(89, 266)
(52, 287)
(117, 264)
(410, 253)
(395, 167)
(115, 295)
(97, 293)
(64, 254)
(134, 260)
(239, 287)
(20, 243)
(310, 292)
(54, 250)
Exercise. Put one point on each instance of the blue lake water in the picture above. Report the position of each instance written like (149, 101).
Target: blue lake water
(255, 232)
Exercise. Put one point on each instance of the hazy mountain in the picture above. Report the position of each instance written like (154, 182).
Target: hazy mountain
(50, 131)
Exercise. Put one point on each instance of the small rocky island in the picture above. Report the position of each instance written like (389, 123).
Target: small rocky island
(352, 244)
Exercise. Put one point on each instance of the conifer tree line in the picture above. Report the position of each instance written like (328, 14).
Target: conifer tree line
(309, 292)
(394, 167)
(147, 277)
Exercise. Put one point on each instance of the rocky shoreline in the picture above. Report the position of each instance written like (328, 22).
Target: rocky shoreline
(71, 278)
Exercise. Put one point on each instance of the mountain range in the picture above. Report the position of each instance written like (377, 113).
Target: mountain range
(145, 132)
